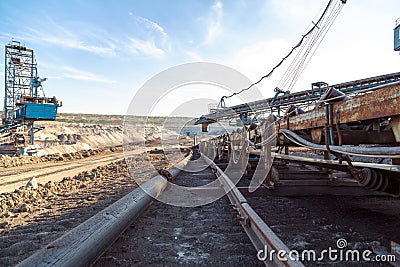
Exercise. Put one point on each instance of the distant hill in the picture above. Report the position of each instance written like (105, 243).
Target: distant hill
(111, 119)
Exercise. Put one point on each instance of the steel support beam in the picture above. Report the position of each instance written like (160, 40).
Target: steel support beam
(382, 103)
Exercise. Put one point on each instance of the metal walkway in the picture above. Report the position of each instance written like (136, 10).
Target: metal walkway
(280, 103)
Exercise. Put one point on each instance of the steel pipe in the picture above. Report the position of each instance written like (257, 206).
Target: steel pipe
(374, 152)
(84, 244)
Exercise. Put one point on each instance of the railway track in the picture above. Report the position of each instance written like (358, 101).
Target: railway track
(168, 235)
(232, 230)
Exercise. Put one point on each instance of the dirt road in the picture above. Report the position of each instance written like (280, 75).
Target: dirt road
(65, 205)
(13, 178)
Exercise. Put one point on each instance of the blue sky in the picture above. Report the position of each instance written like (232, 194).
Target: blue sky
(96, 54)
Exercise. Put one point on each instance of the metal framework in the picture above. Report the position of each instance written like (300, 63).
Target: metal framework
(20, 66)
(304, 99)
(23, 104)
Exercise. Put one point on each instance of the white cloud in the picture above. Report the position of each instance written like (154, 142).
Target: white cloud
(98, 41)
(95, 40)
(258, 59)
(352, 49)
(214, 27)
(295, 10)
(154, 38)
(77, 74)
(195, 56)
(144, 47)
(152, 25)
(77, 44)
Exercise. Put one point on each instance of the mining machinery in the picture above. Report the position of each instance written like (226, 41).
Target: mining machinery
(353, 126)
(24, 100)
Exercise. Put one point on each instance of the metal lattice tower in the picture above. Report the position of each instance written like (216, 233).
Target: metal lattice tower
(20, 74)
(23, 105)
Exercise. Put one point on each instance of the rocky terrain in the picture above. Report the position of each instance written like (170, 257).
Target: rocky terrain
(61, 138)
(42, 212)
(8, 161)
(77, 136)
(36, 214)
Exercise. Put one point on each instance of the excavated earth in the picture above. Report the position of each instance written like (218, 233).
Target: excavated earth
(9, 162)
(32, 217)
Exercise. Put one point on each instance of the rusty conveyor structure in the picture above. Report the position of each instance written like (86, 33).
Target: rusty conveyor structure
(347, 124)
(304, 99)
(372, 118)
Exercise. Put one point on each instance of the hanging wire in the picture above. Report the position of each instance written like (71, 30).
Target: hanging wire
(308, 49)
(297, 66)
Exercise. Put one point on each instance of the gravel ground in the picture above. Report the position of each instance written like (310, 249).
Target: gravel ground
(305, 223)
(32, 218)
(175, 236)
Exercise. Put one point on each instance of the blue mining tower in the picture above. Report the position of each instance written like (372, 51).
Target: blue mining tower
(397, 35)
(24, 100)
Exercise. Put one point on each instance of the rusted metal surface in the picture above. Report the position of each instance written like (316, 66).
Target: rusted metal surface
(381, 103)
(316, 135)
(304, 98)
(395, 124)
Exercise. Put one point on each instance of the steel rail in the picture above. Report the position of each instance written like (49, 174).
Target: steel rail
(84, 244)
(262, 237)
